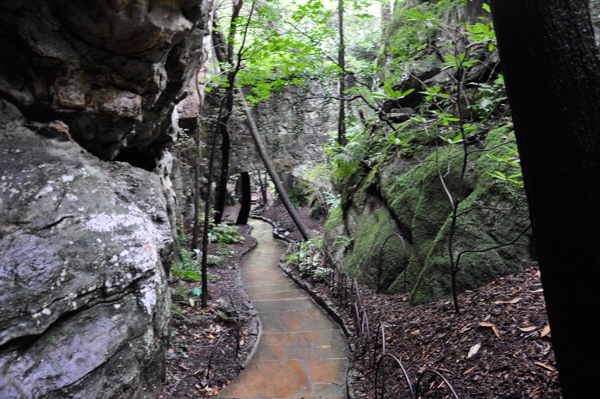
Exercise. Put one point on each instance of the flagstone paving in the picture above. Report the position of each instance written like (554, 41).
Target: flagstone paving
(301, 353)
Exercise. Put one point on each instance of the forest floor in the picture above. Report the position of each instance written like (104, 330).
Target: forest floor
(499, 346)
(196, 331)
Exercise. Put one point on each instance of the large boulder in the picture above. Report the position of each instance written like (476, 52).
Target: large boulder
(402, 196)
(84, 310)
(86, 244)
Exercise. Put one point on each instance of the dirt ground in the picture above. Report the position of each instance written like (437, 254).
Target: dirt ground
(195, 332)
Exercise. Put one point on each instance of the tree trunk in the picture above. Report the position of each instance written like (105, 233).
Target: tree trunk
(246, 199)
(197, 159)
(225, 55)
(552, 71)
(223, 130)
(386, 17)
(342, 81)
(271, 169)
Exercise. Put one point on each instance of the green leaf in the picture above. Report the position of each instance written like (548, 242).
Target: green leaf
(389, 91)
(486, 7)
(406, 93)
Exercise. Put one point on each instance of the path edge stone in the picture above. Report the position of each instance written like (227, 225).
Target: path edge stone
(255, 329)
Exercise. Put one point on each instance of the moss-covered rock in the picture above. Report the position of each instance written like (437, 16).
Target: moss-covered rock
(405, 196)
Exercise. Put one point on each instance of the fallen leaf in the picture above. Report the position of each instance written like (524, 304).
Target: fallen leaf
(473, 351)
(545, 331)
(536, 291)
(415, 332)
(325, 346)
(241, 342)
(508, 300)
(537, 274)
(544, 366)
(469, 370)
(210, 336)
(465, 328)
(493, 327)
(527, 329)
(192, 303)
(496, 331)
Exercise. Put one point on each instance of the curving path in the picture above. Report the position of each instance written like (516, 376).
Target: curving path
(301, 353)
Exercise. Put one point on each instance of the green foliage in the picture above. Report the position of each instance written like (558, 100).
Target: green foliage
(188, 269)
(298, 196)
(225, 234)
(309, 260)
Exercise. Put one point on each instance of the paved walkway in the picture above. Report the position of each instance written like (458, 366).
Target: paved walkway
(301, 353)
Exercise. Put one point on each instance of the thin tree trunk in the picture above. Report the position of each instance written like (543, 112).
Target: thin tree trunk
(552, 69)
(271, 169)
(206, 227)
(342, 80)
(225, 54)
(246, 199)
(196, 228)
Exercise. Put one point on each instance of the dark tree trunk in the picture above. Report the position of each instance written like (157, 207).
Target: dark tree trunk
(224, 53)
(552, 71)
(223, 130)
(197, 159)
(342, 81)
(246, 199)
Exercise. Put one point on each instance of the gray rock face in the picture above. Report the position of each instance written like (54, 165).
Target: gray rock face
(112, 70)
(293, 129)
(84, 246)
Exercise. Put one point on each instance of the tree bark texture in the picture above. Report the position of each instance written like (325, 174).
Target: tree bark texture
(262, 151)
(552, 70)
(246, 199)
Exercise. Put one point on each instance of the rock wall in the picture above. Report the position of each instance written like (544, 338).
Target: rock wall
(85, 245)
(294, 131)
(87, 90)
(111, 70)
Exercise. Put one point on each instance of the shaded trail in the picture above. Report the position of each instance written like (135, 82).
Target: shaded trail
(301, 353)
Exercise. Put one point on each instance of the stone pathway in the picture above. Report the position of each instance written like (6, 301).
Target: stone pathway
(301, 353)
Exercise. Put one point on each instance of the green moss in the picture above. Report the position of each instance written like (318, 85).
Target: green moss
(478, 229)
(370, 229)
(406, 196)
